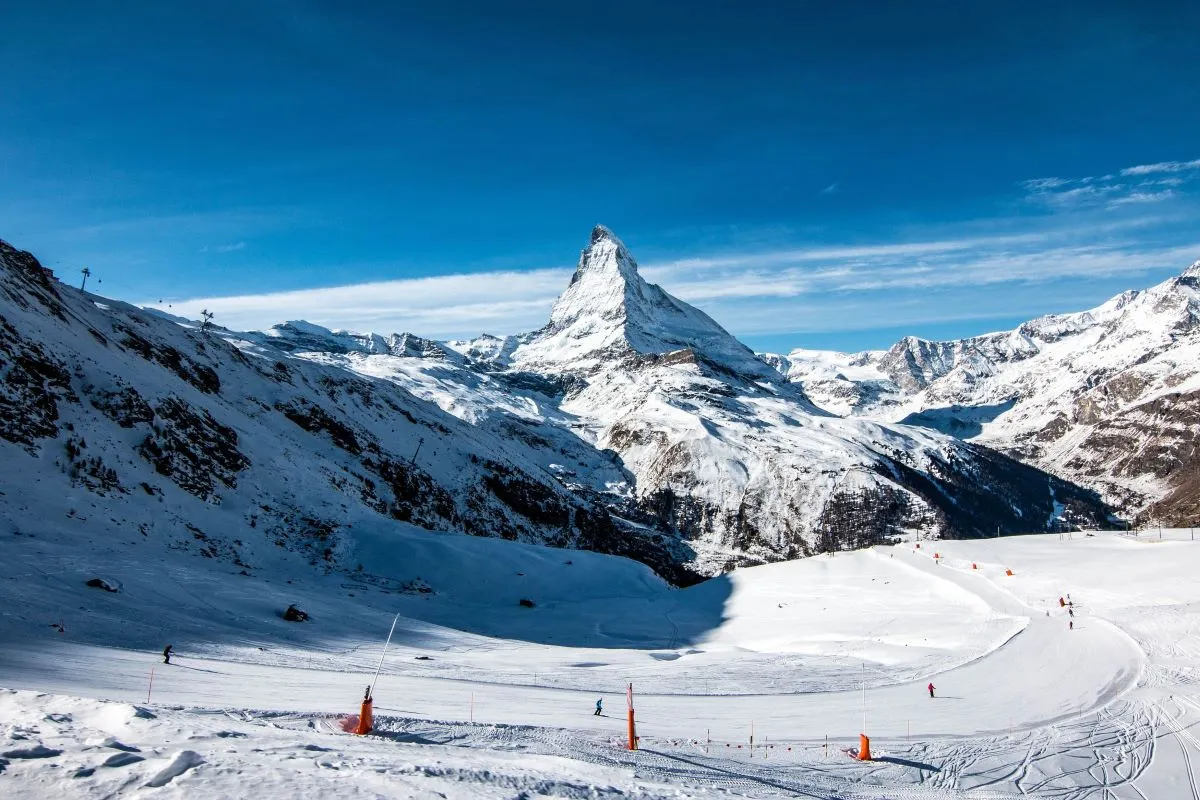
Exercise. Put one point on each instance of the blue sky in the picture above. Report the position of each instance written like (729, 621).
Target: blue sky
(811, 174)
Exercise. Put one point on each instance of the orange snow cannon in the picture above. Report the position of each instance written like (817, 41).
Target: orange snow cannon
(366, 717)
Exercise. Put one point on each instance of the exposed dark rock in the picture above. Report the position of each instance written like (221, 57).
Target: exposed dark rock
(293, 614)
(315, 419)
(192, 449)
(100, 583)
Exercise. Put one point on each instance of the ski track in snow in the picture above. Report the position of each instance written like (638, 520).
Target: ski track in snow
(1107, 710)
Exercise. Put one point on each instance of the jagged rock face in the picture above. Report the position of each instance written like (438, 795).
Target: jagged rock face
(1106, 398)
(234, 447)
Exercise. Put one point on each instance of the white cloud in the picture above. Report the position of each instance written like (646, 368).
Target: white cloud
(445, 305)
(1143, 197)
(1044, 184)
(1162, 166)
(1080, 195)
(1069, 193)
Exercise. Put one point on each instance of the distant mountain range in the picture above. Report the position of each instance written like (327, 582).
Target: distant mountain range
(632, 423)
(1108, 398)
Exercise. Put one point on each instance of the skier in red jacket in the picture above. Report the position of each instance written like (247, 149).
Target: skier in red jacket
(931, 688)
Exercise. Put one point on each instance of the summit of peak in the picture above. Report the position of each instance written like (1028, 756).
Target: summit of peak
(1192, 272)
(603, 232)
(606, 250)
(605, 266)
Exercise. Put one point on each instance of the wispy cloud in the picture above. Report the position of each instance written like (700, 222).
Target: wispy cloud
(1130, 185)
(445, 305)
(1144, 197)
(231, 248)
(1044, 184)
(1162, 166)
(831, 188)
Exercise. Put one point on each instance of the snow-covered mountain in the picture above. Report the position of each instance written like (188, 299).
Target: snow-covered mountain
(631, 424)
(721, 451)
(131, 425)
(1109, 398)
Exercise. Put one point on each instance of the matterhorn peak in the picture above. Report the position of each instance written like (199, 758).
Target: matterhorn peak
(609, 310)
(1191, 272)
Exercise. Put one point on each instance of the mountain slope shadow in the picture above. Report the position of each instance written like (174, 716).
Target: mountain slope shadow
(963, 422)
(454, 593)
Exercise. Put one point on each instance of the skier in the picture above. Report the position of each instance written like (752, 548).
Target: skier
(931, 688)
(1071, 611)
(1071, 625)
(599, 707)
(167, 654)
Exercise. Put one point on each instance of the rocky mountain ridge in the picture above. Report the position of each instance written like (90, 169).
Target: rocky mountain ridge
(1108, 397)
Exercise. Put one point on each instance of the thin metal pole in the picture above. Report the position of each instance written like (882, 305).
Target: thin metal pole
(864, 683)
(384, 653)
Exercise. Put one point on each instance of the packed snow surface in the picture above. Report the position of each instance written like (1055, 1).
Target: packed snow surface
(481, 696)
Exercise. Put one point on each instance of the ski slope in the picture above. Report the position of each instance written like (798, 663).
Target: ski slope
(480, 696)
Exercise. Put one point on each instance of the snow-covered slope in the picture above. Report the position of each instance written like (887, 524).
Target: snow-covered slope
(807, 654)
(1109, 397)
(136, 427)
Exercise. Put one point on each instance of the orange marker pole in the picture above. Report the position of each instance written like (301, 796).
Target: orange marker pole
(632, 725)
